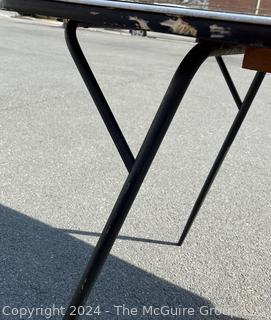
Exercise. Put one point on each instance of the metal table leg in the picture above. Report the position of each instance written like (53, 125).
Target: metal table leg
(229, 81)
(177, 88)
(97, 94)
(223, 151)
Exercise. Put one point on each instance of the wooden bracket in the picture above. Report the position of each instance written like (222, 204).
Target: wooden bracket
(258, 59)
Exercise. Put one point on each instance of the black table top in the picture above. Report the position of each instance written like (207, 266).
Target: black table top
(216, 20)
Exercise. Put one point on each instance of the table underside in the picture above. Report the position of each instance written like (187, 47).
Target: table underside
(165, 20)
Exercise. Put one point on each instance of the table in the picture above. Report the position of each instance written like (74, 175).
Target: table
(217, 33)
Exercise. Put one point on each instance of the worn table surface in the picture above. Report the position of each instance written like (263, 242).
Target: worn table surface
(251, 7)
(207, 21)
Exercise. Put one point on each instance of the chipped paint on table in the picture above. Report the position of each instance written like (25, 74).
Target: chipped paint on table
(165, 18)
(219, 32)
(142, 24)
(179, 26)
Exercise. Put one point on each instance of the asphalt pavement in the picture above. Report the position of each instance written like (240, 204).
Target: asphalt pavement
(61, 174)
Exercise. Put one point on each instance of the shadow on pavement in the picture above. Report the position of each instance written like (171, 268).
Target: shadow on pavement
(121, 237)
(40, 267)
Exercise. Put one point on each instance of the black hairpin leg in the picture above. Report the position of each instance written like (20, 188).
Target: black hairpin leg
(149, 148)
(223, 151)
(97, 94)
(229, 81)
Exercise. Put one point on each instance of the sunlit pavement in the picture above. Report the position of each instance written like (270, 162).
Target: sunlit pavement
(60, 175)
